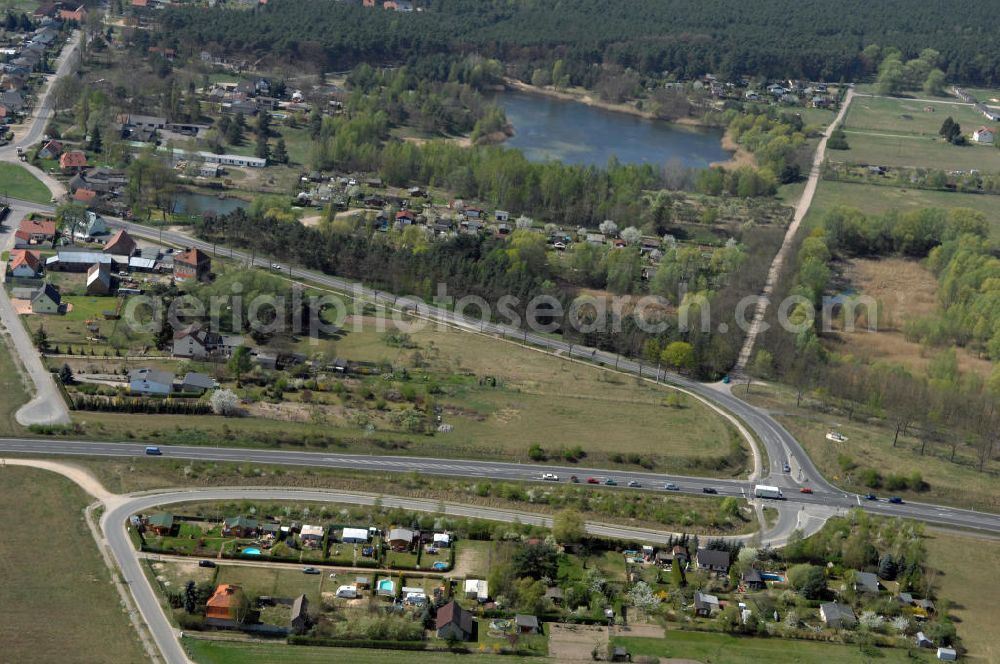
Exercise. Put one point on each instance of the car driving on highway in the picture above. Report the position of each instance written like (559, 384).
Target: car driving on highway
(634, 484)
(708, 489)
(550, 477)
(670, 486)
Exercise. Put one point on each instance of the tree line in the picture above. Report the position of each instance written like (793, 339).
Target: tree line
(687, 38)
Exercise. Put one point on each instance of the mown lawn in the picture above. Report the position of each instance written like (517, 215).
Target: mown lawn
(17, 182)
(13, 389)
(962, 563)
(216, 652)
(57, 602)
(876, 199)
(726, 649)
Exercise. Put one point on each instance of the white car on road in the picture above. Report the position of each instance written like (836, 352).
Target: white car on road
(550, 477)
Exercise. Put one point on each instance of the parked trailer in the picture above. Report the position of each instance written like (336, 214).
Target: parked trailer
(764, 491)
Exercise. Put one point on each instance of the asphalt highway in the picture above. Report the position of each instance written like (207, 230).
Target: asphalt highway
(821, 502)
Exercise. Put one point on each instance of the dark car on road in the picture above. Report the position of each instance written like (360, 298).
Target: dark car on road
(611, 482)
(310, 570)
(896, 500)
(871, 496)
(206, 563)
(709, 489)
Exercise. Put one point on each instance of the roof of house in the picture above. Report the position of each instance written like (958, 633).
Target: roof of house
(240, 522)
(452, 613)
(524, 620)
(192, 257)
(299, 607)
(72, 159)
(713, 558)
(705, 601)
(752, 576)
(834, 611)
(99, 272)
(401, 534)
(223, 596)
(20, 257)
(866, 581)
(986, 130)
(151, 376)
(195, 379)
(53, 147)
(161, 520)
(38, 226)
(49, 291)
(120, 243)
(84, 195)
(355, 533)
(313, 531)
(554, 592)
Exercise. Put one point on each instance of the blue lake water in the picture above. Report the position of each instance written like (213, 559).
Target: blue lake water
(575, 133)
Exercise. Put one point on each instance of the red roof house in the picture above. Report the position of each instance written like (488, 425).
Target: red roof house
(193, 264)
(72, 161)
(25, 263)
(120, 244)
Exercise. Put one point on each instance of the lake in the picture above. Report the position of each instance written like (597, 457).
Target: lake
(186, 202)
(575, 133)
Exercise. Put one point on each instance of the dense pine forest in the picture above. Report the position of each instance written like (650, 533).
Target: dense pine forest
(776, 38)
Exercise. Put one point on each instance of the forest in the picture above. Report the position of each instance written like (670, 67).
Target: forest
(491, 267)
(685, 38)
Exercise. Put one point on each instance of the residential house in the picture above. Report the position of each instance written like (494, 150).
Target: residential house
(50, 150)
(162, 524)
(441, 540)
(401, 539)
(93, 228)
(526, 624)
(503, 216)
(753, 580)
(922, 641)
(477, 589)
(925, 605)
(37, 231)
(299, 620)
(12, 101)
(705, 605)
(46, 300)
(150, 381)
(196, 342)
(73, 161)
(192, 264)
(197, 383)
(25, 264)
(595, 238)
(906, 599)
(99, 279)
(120, 244)
(78, 14)
(453, 623)
(712, 561)
(866, 582)
(347, 592)
(240, 526)
(985, 135)
(85, 196)
(311, 534)
(221, 601)
(354, 536)
(837, 615)
(947, 654)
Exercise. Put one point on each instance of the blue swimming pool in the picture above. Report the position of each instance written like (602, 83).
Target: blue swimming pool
(440, 565)
(252, 551)
(386, 587)
(771, 576)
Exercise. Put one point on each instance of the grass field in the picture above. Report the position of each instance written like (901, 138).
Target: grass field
(964, 580)
(869, 445)
(216, 652)
(17, 182)
(12, 388)
(276, 582)
(876, 199)
(726, 649)
(57, 603)
(904, 132)
(537, 399)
